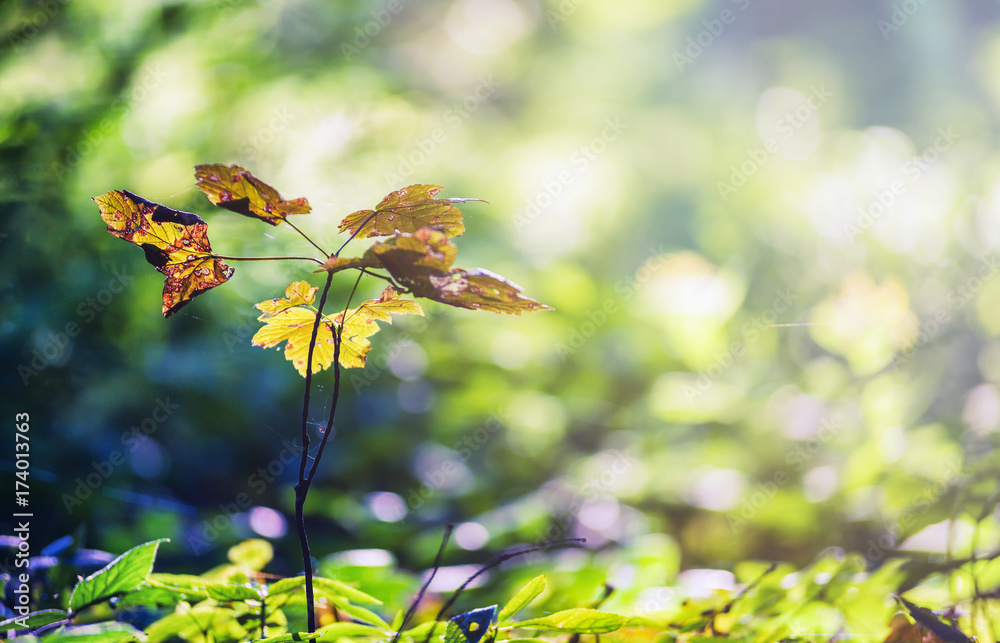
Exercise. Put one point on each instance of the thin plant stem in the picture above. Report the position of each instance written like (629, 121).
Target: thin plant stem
(306, 237)
(420, 595)
(228, 258)
(392, 282)
(263, 617)
(354, 234)
(336, 384)
(499, 560)
(302, 486)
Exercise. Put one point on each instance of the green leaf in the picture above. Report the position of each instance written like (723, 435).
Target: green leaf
(454, 634)
(110, 632)
(155, 597)
(334, 631)
(577, 621)
(359, 613)
(338, 588)
(291, 638)
(225, 592)
(121, 575)
(419, 633)
(190, 623)
(527, 594)
(33, 620)
(286, 585)
(253, 553)
(183, 584)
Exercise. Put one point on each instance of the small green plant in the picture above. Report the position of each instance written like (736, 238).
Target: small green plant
(416, 258)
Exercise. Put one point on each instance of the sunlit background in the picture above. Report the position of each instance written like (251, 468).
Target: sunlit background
(770, 232)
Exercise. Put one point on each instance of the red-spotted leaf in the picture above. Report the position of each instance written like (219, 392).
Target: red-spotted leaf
(407, 210)
(235, 189)
(176, 243)
(422, 263)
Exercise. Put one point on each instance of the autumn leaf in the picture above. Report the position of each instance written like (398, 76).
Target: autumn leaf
(293, 325)
(422, 263)
(291, 320)
(176, 243)
(235, 189)
(296, 294)
(407, 210)
(360, 324)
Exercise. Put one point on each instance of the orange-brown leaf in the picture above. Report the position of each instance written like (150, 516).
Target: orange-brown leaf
(426, 251)
(175, 242)
(235, 189)
(422, 262)
(407, 210)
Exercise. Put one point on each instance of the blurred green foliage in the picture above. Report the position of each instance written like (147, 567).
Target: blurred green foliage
(674, 176)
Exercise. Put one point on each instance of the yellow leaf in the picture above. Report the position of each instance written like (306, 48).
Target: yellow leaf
(407, 210)
(296, 294)
(291, 320)
(175, 242)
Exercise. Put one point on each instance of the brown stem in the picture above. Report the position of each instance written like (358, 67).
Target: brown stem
(306, 237)
(302, 486)
(228, 258)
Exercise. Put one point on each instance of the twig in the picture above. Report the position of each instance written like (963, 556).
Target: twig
(355, 233)
(302, 486)
(228, 258)
(306, 237)
(336, 386)
(499, 560)
(427, 583)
